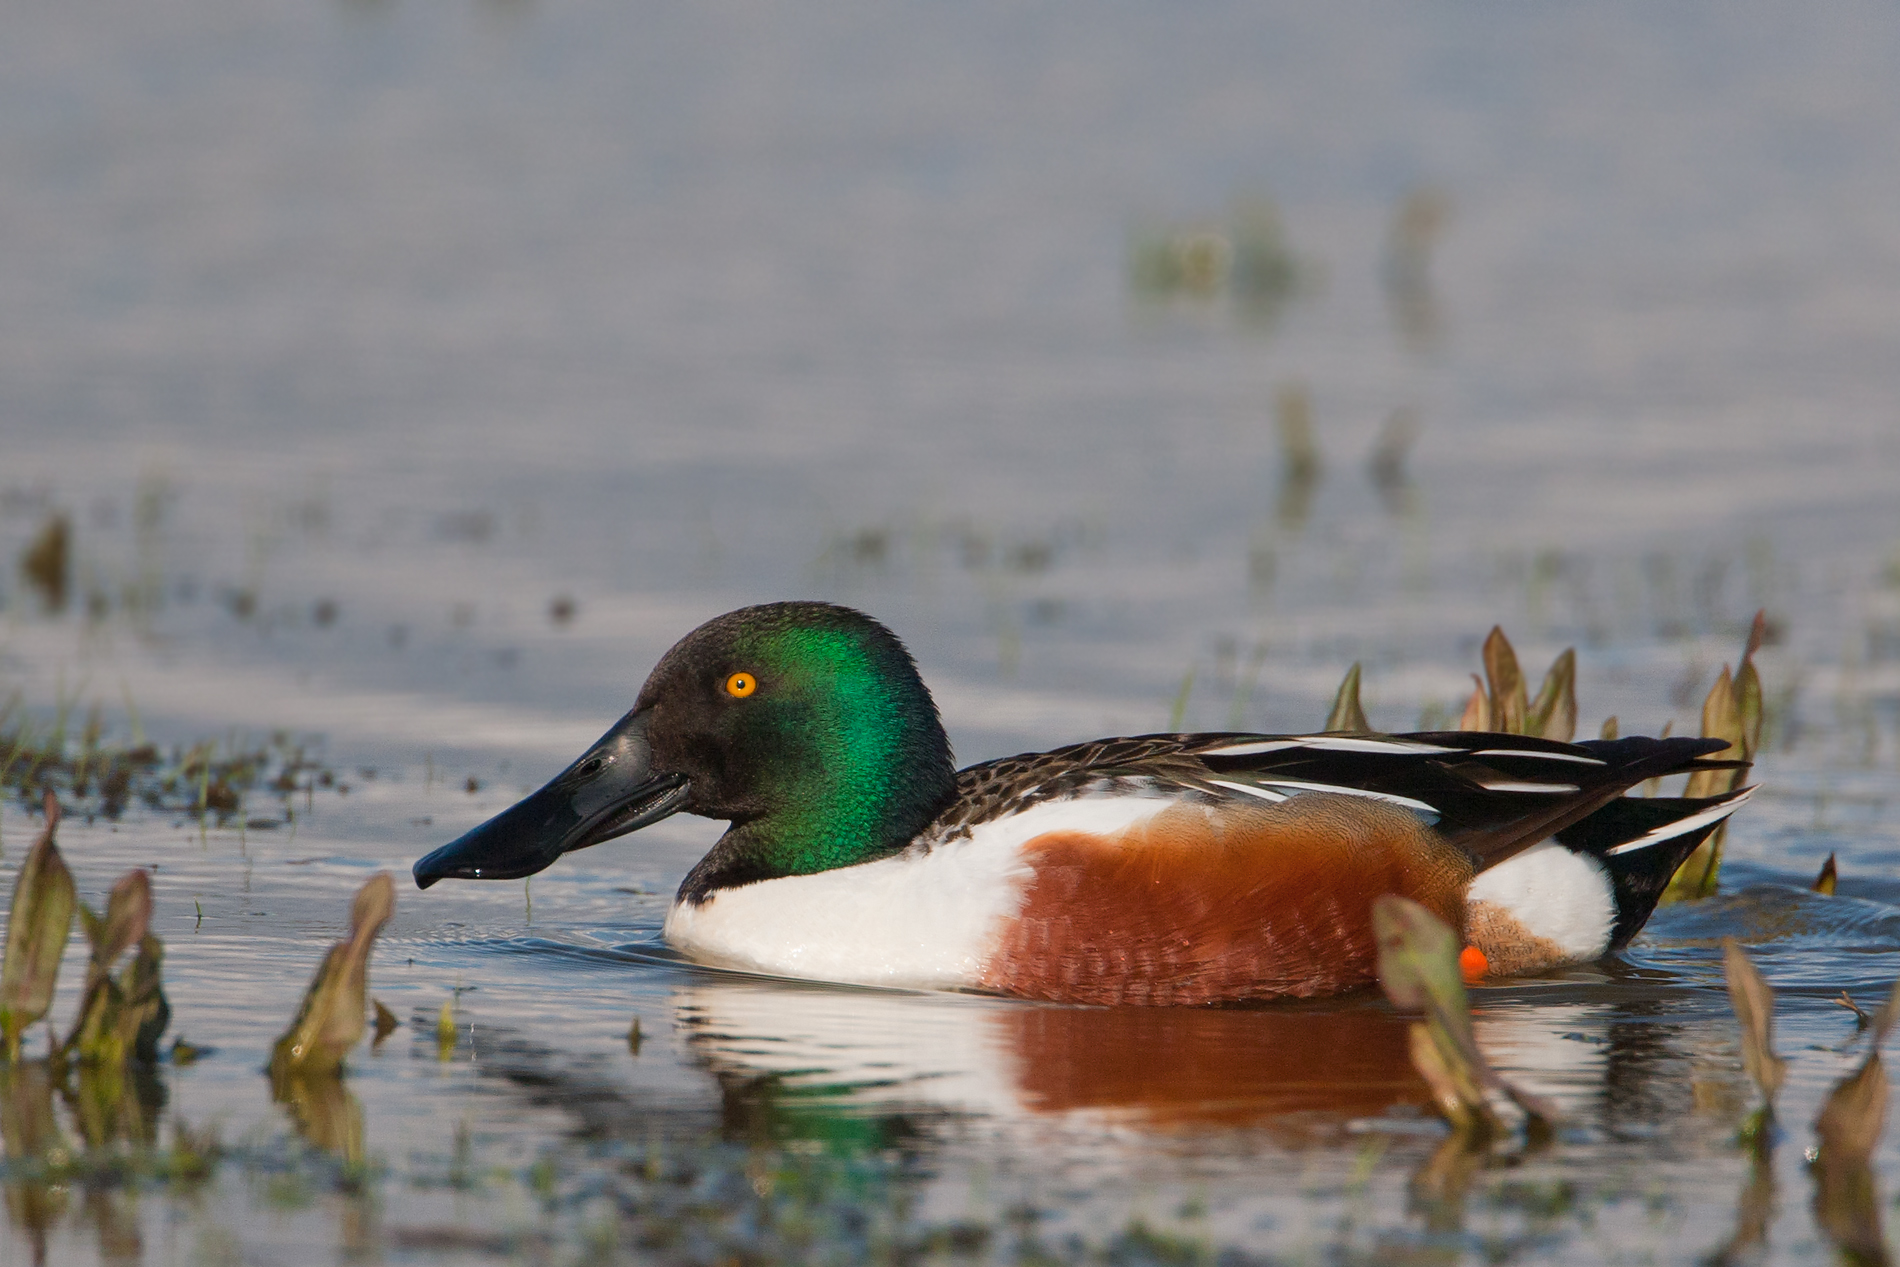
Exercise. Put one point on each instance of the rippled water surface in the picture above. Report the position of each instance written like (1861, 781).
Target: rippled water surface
(412, 375)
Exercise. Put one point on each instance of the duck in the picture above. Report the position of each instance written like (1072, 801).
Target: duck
(1158, 869)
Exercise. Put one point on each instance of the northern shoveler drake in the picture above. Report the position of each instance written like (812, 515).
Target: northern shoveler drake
(1157, 869)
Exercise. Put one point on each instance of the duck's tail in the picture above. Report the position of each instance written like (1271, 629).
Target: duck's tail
(1641, 841)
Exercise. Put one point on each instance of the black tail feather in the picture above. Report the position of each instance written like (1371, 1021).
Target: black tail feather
(1640, 871)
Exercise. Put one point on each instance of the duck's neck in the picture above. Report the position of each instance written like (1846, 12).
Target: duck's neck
(875, 779)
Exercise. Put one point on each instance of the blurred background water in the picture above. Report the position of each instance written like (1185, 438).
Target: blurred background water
(411, 375)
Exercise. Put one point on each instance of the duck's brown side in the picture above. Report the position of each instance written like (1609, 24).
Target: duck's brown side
(1213, 904)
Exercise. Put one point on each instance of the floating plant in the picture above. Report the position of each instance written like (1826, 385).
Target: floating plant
(332, 1018)
(38, 925)
(1732, 711)
(1419, 971)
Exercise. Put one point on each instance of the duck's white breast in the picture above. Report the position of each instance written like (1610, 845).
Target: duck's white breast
(925, 918)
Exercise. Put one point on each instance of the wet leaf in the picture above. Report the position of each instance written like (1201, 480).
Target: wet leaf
(105, 1030)
(1732, 711)
(386, 1021)
(1508, 706)
(1553, 714)
(128, 914)
(1721, 719)
(1347, 715)
(38, 925)
(331, 1019)
(1418, 968)
(1456, 1089)
(1825, 882)
(146, 1010)
(1754, 1003)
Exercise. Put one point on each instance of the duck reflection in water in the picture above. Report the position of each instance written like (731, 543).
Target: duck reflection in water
(1295, 1068)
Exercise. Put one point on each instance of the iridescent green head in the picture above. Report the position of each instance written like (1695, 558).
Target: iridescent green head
(803, 724)
(807, 726)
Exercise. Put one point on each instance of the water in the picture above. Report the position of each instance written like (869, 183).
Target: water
(359, 339)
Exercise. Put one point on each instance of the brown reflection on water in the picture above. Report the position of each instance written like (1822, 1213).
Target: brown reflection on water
(1176, 1069)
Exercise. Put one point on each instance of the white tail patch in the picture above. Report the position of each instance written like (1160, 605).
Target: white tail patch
(1538, 756)
(1683, 826)
(1502, 785)
(1557, 894)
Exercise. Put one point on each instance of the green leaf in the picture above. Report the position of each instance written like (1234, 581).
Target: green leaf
(128, 914)
(146, 1010)
(331, 1020)
(1721, 719)
(1508, 706)
(1418, 969)
(104, 1032)
(1553, 714)
(40, 921)
(1347, 715)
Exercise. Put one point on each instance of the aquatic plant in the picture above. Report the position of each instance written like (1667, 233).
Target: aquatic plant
(1847, 1129)
(38, 924)
(46, 563)
(97, 775)
(1732, 711)
(332, 1017)
(1419, 972)
(1347, 715)
(126, 1016)
(118, 1019)
(1248, 259)
(1500, 702)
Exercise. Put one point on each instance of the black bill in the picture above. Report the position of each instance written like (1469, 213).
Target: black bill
(609, 792)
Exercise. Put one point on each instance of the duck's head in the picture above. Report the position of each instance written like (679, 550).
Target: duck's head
(805, 725)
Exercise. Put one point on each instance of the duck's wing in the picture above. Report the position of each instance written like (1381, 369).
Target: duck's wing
(1492, 795)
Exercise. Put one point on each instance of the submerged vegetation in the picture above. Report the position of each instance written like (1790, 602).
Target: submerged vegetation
(100, 775)
(1500, 701)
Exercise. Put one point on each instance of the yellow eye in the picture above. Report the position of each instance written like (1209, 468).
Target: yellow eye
(740, 685)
